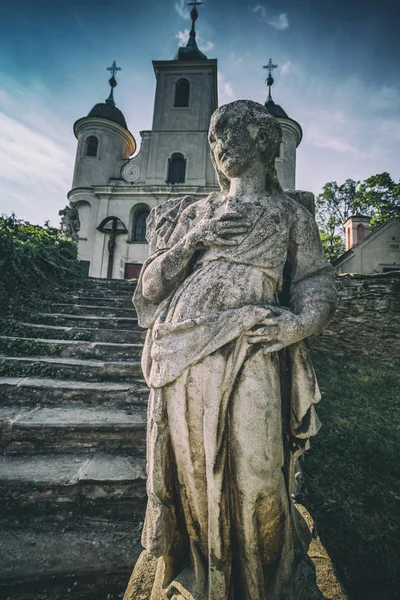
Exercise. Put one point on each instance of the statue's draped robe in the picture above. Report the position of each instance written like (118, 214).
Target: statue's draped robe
(220, 420)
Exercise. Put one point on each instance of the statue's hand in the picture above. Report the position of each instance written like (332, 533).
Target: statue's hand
(218, 231)
(277, 331)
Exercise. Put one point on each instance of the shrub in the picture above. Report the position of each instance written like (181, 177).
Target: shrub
(34, 261)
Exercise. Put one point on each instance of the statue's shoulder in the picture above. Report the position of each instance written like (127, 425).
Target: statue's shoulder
(301, 198)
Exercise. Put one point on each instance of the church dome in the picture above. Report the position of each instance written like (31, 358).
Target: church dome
(275, 110)
(105, 110)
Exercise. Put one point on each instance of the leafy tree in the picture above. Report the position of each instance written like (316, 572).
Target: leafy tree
(332, 244)
(334, 205)
(377, 197)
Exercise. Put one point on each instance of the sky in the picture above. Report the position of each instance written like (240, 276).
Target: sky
(338, 76)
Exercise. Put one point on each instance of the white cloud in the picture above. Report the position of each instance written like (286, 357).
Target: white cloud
(183, 36)
(225, 90)
(280, 21)
(181, 9)
(35, 168)
(286, 67)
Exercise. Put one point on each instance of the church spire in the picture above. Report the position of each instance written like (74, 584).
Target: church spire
(191, 51)
(113, 82)
(270, 80)
(194, 15)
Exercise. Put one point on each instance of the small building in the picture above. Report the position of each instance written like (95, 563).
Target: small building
(377, 251)
(114, 191)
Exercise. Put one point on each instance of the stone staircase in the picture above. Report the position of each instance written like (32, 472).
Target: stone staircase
(72, 437)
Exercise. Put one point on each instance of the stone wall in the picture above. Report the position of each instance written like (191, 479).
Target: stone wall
(367, 319)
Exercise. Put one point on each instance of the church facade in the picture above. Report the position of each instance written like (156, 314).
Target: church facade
(114, 192)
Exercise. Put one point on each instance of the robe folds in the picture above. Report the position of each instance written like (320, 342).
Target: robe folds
(226, 417)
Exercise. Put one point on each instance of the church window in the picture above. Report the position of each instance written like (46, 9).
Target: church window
(182, 93)
(176, 169)
(139, 226)
(91, 146)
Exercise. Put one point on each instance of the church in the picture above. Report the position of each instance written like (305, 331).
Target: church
(114, 191)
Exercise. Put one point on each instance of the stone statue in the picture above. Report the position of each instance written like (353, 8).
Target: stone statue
(233, 285)
(70, 223)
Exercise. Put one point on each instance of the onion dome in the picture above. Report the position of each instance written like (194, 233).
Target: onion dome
(108, 110)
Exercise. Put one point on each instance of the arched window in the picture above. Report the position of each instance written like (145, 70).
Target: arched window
(360, 232)
(91, 146)
(176, 169)
(182, 88)
(139, 226)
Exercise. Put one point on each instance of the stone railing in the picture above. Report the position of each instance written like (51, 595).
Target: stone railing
(367, 319)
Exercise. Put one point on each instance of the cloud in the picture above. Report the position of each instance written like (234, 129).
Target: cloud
(183, 36)
(280, 21)
(348, 132)
(181, 9)
(35, 168)
(225, 90)
(286, 67)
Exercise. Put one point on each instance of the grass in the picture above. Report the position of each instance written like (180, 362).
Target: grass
(352, 474)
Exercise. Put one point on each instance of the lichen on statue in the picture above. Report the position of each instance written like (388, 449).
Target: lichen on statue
(232, 388)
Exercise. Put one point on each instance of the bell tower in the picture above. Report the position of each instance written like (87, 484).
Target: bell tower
(175, 153)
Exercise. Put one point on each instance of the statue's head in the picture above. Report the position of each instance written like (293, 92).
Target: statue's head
(241, 132)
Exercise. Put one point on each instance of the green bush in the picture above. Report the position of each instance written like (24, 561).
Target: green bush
(34, 261)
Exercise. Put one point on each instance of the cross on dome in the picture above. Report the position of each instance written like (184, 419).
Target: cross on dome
(270, 67)
(113, 82)
(113, 69)
(270, 80)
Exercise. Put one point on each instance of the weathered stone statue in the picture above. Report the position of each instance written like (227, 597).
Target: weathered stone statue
(70, 223)
(233, 285)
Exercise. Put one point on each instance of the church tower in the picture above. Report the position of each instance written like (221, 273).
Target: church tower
(291, 137)
(115, 193)
(174, 155)
(103, 142)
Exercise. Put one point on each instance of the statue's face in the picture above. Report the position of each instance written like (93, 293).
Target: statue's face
(231, 142)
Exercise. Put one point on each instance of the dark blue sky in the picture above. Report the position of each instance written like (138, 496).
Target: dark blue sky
(338, 76)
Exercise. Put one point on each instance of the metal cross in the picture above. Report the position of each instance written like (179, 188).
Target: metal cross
(195, 3)
(113, 68)
(270, 67)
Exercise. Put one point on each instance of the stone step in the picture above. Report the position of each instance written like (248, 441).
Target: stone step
(64, 368)
(23, 346)
(37, 330)
(102, 485)
(72, 429)
(86, 321)
(104, 293)
(112, 301)
(114, 285)
(30, 392)
(86, 309)
(57, 560)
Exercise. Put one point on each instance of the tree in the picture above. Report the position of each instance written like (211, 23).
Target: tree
(377, 197)
(334, 205)
(333, 245)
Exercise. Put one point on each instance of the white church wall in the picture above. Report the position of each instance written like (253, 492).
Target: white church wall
(197, 115)
(286, 163)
